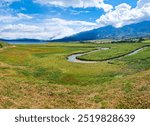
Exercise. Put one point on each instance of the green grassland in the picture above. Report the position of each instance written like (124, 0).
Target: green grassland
(114, 51)
(39, 76)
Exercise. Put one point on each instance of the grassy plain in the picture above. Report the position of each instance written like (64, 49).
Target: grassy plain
(39, 76)
(114, 51)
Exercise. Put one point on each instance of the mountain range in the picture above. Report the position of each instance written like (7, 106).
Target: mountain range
(141, 29)
(138, 30)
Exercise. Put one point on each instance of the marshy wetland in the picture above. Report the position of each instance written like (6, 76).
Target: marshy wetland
(40, 76)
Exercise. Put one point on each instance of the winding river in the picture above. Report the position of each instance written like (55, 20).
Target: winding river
(73, 57)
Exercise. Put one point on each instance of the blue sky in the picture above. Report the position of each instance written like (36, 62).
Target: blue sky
(52, 19)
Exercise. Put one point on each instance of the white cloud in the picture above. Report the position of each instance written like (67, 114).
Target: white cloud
(48, 29)
(23, 16)
(106, 7)
(124, 14)
(8, 18)
(74, 12)
(140, 3)
(26, 26)
(77, 3)
(18, 25)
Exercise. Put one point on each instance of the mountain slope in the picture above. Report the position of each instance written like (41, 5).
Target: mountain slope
(130, 31)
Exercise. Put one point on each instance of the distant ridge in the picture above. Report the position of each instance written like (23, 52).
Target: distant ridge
(21, 40)
(129, 31)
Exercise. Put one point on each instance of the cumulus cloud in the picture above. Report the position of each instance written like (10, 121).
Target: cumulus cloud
(77, 3)
(19, 25)
(124, 14)
(54, 28)
(140, 3)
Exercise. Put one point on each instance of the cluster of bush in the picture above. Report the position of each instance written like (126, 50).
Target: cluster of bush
(129, 41)
(1, 46)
